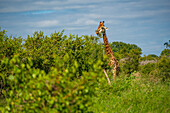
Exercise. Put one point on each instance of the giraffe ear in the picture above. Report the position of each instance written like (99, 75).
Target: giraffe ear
(107, 28)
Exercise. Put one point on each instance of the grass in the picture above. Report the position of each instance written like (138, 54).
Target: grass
(2, 101)
(130, 95)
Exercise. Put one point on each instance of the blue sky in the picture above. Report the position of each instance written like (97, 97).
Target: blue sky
(145, 23)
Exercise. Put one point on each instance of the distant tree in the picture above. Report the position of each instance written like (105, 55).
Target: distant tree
(128, 56)
(149, 57)
(122, 49)
(163, 68)
(166, 51)
(167, 44)
(131, 63)
(147, 68)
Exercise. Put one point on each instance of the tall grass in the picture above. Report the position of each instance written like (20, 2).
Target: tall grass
(131, 95)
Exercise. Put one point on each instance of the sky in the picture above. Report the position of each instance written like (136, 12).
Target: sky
(145, 23)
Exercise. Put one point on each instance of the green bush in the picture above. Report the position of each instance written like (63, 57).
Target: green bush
(159, 70)
(9, 45)
(32, 90)
(56, 73)
(164, 67)
(146, 69)
(165, 52)
(128, 56)
(131, 62)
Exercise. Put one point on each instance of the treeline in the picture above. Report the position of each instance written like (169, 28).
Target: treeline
(61, 73)
(129, 56)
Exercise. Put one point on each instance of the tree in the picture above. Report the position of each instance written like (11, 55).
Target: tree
(166, 51)
(164, 67)
(167, 44)
(128, 56)
(148, 57)
(122, 49)
(131, 62)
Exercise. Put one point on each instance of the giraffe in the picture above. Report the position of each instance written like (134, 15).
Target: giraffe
(114, 64)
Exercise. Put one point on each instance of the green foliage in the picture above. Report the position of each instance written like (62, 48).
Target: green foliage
(149, 57)
(167, 44)
(165, 52)
(56, 73)
(32, 90)
(128, 56)
(121, 49)
(149, 67)
(132, 62)
(130, 95)
(163, 66)
(159, 70)
(63, 73)
(9, 45)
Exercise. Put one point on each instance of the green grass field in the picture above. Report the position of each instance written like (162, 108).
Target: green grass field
(133, 96)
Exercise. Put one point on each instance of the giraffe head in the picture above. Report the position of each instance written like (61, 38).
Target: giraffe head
(101, 28)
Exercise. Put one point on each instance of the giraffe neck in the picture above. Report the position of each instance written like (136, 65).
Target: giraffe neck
(107, 46)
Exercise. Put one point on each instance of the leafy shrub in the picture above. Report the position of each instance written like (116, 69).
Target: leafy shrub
(146, 69)
(131, 63)
(165, 52)
(32, 90)
(164, 67)
(56, 73)
(9, 45)
(159, 70)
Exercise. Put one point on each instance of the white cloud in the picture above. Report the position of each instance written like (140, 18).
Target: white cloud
(76, 28)
(85, 21)
(25, 5)
(66, 2)
(44, 23)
